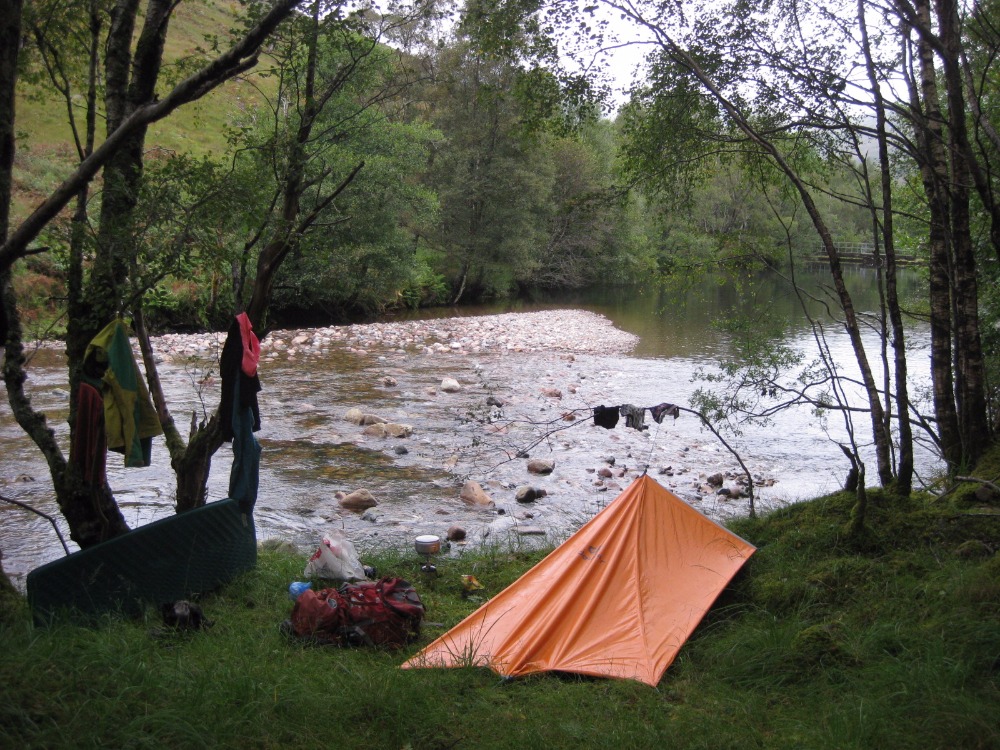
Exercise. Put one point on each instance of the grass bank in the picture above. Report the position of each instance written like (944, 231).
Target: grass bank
(892, 641)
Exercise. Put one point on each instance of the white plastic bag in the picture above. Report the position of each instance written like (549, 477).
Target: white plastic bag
(336, 559)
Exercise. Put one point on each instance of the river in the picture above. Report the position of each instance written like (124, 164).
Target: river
(310, 452)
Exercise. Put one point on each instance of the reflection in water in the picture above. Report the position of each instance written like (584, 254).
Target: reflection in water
(682, 319)
(310, 452)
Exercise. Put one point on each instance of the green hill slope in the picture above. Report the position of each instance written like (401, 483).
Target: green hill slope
(45, 144)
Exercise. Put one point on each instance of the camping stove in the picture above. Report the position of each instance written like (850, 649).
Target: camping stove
(428, 545)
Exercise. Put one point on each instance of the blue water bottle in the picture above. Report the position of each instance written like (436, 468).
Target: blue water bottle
(296, 589)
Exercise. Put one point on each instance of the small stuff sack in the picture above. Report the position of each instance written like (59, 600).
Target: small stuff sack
(386, 613)
(335, 559)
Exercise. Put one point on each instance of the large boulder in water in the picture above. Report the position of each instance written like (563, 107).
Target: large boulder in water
(473, 494)
(389, 429)
(541, 466)
(450, 385)
(358, 417)
(358, 500)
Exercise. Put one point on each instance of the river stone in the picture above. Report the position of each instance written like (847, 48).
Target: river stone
(715, 480)
(358, 417)
(552, 392)
(455, 534)
(530, 531)
(389, 429)
(359, 500)
(528, 494)
(541, 466)
(605, 472)
(450, 385)
(985, 494)
(473, 494)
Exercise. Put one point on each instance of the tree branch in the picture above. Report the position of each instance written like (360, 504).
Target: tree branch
(239, 58)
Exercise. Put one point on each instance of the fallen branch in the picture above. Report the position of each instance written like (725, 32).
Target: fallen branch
(977, 480)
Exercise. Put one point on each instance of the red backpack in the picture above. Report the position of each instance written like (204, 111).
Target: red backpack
(387, 612)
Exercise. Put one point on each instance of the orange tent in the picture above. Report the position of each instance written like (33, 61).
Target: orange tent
(616, 599)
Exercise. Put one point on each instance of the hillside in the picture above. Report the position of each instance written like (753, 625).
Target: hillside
(45, 144)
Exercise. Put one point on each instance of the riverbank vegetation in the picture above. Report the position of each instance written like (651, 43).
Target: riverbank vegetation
(485, 176)
(825, 639)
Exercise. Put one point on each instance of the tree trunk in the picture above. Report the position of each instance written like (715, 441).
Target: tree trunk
(94, 516)
(130, 83)
(904, 471)
(194, 465)
(929, 136)
(10, 41)
(970, 379)
(881, 437)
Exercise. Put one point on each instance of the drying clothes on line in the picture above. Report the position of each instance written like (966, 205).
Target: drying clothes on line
(239, 411)
(660, 411)
(89, 449)
(606, 416)
(234, 362)
(251, 346)
(635, 416)
(130, 420)
(244, 476)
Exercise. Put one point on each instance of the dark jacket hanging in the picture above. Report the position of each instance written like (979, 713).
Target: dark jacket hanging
(232, 371)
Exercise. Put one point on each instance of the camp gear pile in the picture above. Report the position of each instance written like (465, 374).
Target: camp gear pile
(386, 613)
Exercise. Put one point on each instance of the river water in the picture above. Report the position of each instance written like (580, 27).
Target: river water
(661, 341)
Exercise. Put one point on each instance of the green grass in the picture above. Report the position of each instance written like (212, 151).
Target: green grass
(823, 641)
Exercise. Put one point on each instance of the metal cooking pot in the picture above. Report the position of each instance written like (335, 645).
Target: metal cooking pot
(428, 544)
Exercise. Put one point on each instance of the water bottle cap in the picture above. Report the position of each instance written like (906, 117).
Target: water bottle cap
(297, 587)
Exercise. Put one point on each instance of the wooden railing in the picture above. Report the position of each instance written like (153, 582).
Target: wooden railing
(861, 253)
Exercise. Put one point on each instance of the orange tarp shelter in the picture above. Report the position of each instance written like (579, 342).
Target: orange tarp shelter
(616, 599)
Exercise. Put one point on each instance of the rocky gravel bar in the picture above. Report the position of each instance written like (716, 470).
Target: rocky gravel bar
(569, 331)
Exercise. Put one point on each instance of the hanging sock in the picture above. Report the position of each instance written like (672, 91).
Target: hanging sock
(635, 416)
(660, 411)
(606, 416)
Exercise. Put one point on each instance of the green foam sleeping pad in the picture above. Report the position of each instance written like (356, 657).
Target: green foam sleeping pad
(174, 558)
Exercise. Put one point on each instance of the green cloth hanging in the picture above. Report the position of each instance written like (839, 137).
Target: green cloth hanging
(130, 420)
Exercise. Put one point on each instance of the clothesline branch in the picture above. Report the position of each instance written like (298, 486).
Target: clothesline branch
(46, 516)
(522, 452)
(705, 421)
